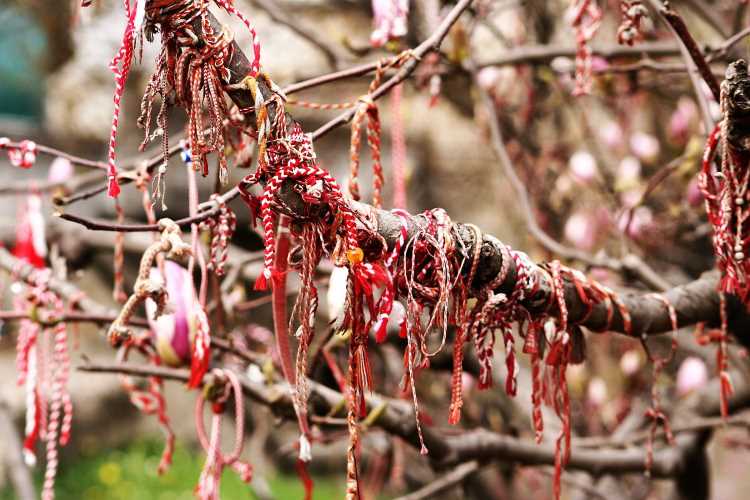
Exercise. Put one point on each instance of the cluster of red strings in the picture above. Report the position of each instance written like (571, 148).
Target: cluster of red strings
(725, 194)
(21, 155)
(195, 73)
(43, 367)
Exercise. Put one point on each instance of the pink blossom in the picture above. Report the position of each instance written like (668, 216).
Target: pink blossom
(580, 230)
(679, 124)
(629, 170)
(693, 194)
(644, 146)
(597, 392)
(583, 166)
(562, 65)
(177, 327)
(630, 198)
(691, 376)
(390, 19)
(599, 64)
(60, 170)
(611, 134)
(488, 77)
(630, 362)
(500, 80)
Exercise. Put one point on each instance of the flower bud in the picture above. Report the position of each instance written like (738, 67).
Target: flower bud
(580, 229)
(583, 167)
(390, 19)
(644, 146)
(691, 376)
(60, 170)
(176, 328)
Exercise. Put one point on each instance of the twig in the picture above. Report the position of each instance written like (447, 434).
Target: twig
(542, 54)
(360, 70)
(280, 16)
(429, 45)
(640, 437)
(69, 317)
(77, 160)
(443, 482)
(680, 29)
(690, 62)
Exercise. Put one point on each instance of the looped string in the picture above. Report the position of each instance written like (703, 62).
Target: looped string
(655, 412)
(150, 401)
(216, 460)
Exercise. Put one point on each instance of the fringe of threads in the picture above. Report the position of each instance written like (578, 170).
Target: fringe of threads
(454, 411)
(557, 363)
(307, 306)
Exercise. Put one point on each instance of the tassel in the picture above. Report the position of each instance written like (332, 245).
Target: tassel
(261, 283)
(201, 352)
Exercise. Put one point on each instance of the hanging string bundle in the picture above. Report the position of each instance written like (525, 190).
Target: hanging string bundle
(725, 190)
(31, 243)
(43, 367)
(190, 67)
(560, 342)
(585, 18)
(398, 148)
(287, 161)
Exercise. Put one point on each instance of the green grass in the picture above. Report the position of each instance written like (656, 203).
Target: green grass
(130, 473)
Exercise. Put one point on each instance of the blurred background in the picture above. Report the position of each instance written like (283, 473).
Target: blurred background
(612, 172)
